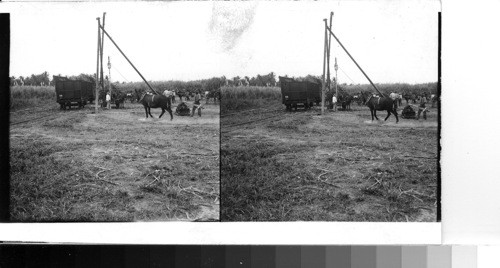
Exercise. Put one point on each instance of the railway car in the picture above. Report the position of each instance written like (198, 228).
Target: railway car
(74, 92)
(299, 93)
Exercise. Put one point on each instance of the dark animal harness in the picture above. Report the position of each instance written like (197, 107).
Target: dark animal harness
(371, 96)
(149, 102)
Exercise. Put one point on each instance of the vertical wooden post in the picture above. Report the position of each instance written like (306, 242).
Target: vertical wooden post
(102, 50)
(97, 71)
(324, 66)
(328, 83)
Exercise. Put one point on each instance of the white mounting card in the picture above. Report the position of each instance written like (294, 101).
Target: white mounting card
(194, 52)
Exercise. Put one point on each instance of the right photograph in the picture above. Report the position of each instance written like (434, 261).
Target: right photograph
(331, 111)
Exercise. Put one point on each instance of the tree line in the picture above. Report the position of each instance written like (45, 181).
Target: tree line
(43, 79)
(267, 80)
(258, 80)
(31, 80)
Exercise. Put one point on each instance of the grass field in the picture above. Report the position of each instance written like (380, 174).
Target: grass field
(30, 96)
(238, 98)
(117, 166)
(336, 167)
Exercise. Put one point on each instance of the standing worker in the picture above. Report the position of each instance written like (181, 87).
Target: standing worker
(197, 104)
(108, 100)
(422, 107)
(334, 103)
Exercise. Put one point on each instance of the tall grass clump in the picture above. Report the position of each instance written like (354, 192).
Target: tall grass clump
(237, 98)
(28, 96)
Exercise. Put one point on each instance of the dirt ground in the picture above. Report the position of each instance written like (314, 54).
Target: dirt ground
(337, 167)
(117, 166)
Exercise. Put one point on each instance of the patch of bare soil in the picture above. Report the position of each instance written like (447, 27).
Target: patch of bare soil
(337, 167)
(115, 166)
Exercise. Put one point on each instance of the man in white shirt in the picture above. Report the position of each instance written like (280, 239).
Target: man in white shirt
(108, 100)
(334, 103)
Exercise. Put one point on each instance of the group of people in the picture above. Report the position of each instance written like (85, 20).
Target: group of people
(422, 99)
(422, 109)
(171, 95)
(196, 104)
(343, 100)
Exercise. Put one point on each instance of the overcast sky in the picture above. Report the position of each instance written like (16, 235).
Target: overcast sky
(394, 41)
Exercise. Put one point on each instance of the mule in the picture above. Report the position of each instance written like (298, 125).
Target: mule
(155, 101)
(346, 102)
(382, 104)
(119, 99)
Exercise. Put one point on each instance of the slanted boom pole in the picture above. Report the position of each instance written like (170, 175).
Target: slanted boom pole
(355, 62)
(112, 41)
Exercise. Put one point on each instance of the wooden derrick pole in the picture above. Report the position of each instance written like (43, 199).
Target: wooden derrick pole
(328, 80)
(324, 66)
(97, 70)
(112, 41)
(102, 51)
(329, 30)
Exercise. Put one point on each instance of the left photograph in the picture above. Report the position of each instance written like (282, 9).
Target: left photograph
(114, 113)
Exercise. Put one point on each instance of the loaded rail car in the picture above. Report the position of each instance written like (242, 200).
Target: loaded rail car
(299, 93)
(74, 93)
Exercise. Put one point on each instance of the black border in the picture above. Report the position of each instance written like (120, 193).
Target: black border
(438, 188)
(4, 115)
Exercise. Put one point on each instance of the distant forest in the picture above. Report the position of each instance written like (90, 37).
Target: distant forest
(214, 83)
